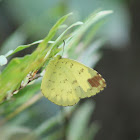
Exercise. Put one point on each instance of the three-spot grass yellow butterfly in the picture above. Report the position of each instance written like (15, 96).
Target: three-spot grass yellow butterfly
(66, 81)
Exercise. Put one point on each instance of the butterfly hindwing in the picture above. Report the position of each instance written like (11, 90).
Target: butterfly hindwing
(56, 85)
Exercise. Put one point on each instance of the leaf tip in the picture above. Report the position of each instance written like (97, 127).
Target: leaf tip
(3, 60)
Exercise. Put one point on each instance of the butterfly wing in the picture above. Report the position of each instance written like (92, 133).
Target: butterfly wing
(66, 81)
(56, 84)
(89, 80)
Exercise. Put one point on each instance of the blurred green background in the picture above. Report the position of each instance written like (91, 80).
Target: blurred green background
(113, 114)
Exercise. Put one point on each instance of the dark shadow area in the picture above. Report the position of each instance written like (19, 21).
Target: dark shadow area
(118, 107)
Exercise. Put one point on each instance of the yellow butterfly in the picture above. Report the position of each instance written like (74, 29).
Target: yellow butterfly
(67, 81)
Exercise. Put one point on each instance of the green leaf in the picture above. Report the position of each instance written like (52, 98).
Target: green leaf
(92, 131)
(15, 132)
(48, 125)
(53, 122)
(18, 99)
(79, 122)
(91, 54)
(93, 20)
(57, 135)
(20, 48)
(54, 45)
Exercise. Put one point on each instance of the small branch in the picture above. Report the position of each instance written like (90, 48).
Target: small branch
(35, 76)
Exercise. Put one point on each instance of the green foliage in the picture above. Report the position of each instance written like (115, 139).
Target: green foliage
(18, 68)
(18, 99)
(78, 125)
(20, 84)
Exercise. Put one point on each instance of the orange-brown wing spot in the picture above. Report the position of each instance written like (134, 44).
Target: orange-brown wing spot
(95, 81)
(103, 82)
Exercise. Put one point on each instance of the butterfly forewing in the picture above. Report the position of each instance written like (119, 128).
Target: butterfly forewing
(56, 85)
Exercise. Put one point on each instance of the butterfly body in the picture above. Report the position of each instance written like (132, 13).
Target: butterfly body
(66, 81)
